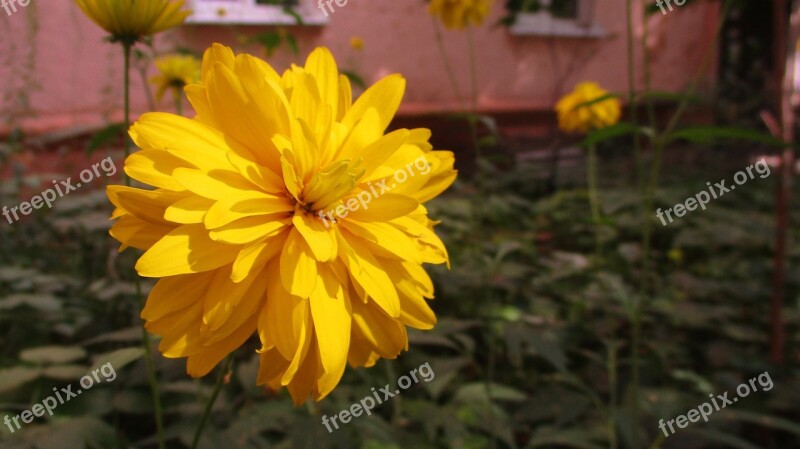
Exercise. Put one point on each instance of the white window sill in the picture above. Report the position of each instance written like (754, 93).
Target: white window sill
(543, 24)
(228, 13)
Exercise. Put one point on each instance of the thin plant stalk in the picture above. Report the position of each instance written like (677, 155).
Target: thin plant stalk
(473, 72)
(634, 113)
(178, 103)
(659, 143)
(594, 201)
(226, 366)
(612, 392)
(151, 372)
(446, 61)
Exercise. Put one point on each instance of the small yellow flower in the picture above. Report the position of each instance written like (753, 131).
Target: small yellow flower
(284, 210)
(357, 43)
(130, 20)
(175, 72)
(575, 116)
(675, 255)
(458, 14)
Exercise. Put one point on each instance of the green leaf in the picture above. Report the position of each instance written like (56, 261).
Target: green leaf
(355, 79)
(292, 41)
(672, 96)
(599, 99)
(270, 41)
(64, 372)
(297, 17)
(13, 378)
(726, 438)
(576, 438)
(43, 302)
(710, 134)
(763, 420)
(119, 358)
(74, 433)
(104, 137)
(53, 354)
(477, 393)
(613, 131)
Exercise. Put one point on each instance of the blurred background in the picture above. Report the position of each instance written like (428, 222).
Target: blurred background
(571, 316)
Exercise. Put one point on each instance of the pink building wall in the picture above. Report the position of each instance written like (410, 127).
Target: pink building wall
(57, 71)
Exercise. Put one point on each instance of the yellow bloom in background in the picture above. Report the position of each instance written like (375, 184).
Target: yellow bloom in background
(175, 72)
(575, 116)
(357, 43)
(131, 20)
(458, 14)
(279, 209)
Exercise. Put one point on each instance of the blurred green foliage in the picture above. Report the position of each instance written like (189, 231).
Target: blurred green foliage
(531, 350)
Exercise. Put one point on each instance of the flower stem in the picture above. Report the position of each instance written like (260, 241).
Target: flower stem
(127, 120)
(473, 120)
(594, 201)
(151, 376)
(447, 67)
(151, 372)
(178, 104)
(226, 366)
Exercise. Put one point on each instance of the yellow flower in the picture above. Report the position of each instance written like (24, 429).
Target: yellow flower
(175, 72)
(357, 43)
(130, 20)
(458, 14)
(575, 116)
(283, 209)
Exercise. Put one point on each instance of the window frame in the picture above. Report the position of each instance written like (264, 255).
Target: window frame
(248, 12)
(543, 23)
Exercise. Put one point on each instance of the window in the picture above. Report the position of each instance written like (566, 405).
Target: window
(560, 18)
(256, 12)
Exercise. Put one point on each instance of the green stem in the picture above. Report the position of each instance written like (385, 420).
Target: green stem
(397, 405)
(447, 67)
(594, 201)
(151, 376)
(178, 104)
(660, 143)
(151, 372)
(473, 66)
(127, 120)
(612, 390)
(637, 143)
(226, 366)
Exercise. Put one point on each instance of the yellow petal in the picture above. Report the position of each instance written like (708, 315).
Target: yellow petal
(187, 249)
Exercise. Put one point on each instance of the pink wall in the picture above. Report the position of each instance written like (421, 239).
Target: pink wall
(56, 70)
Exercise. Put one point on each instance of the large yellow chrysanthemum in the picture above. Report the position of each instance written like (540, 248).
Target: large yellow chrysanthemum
(175, 72)
(458, 14)
(241, 230)
(574, 115)
(131, 20)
